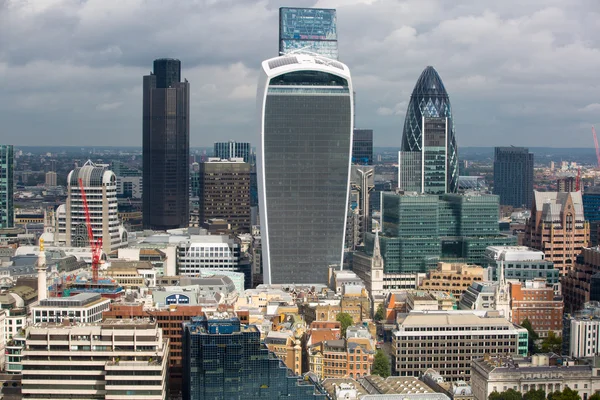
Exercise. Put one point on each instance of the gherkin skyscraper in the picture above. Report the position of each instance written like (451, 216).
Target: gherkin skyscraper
(428, 160)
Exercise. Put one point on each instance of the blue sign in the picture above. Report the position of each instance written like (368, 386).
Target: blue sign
(177, 299)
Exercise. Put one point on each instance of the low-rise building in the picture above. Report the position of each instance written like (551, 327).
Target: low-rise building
(447, 341)
(498, 374)
(341, 358)
(521, 263)
(100, 360)
(81, 308)
(536, 302)
(287, 346)
(581, 332)
(452, 278)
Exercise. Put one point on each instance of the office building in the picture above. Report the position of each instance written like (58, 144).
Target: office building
(303, 166)
(581, 331)
(453, 278)
(420, 230)
(100, 186)
(313, 30)
(579, 283)
(362, 147)
(513, 176)
(224, 192)
(540, 371)
(362, 184)
(342, 358)
(166, 147)
(50, 179)
(81, 308)
(426, 171)
(129, 181)
(232, 149)
(591, 211)
(436, 339)
(224, 360)
(7, 212)
(558, 227)
(536, 301)
(521, 263)
(100, 361)
(428, 160)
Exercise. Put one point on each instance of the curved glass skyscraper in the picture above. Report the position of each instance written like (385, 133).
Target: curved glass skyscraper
(303, 162)
(429, 163)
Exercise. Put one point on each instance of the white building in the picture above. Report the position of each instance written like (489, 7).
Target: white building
(584, 338)
(100, 186)
(100, 361)
(81, 308)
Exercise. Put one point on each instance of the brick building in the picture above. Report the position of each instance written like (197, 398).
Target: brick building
(535, 301)
(341, 358)
(557, 227)
(577, 283)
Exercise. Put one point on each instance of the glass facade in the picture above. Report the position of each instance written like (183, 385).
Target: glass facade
(223, 360)
(420, 230)
(311, 29)
(513, 176)
(362, 147)
(591, 210)
(227, 150)
(306, 149)
(429, 99)
(166, 147)
(7, 213)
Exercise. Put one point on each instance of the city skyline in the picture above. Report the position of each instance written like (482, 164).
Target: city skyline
(509, 69)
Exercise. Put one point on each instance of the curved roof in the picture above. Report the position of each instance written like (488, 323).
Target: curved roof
(91, 175)
(298, 62)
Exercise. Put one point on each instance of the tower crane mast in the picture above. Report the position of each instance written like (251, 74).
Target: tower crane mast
(95, 244)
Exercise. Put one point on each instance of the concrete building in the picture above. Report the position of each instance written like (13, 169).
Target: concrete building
(521, 263)
(453, 278)
(99, 359)
(581, 332)
(81, 308)
(537, 302)
(577, 284)
(362, 184)
(224, 192)
(50, 179)
(232, 149)
(523, 374)
(487, 296)
(209, 292)
(437, 339)
(558, 228)
(100, 186)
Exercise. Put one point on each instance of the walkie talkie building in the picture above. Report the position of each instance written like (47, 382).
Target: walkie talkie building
(304, 155)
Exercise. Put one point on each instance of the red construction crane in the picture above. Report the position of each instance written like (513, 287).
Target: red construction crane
(95, 244)
(596, 144)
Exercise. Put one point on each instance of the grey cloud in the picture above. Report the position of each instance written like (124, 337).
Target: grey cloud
(516, 73)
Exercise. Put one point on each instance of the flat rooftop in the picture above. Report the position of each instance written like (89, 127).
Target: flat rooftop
(79, 300)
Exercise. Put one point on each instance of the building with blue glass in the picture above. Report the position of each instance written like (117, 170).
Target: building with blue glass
(231, 149)
(428, 159)
(311, 30)
(303, 164)
(513, 176)
(224, 360)
(7, 212)
(591, 211)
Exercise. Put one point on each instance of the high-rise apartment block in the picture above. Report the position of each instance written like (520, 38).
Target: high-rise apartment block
(99, 361)
(166, 147)
(303, 166)
(50, 179)
(7, 212)
(362, 147)
(557, 227)
(513, 176)
(312, 30)
(428, 159)
(447, 341)
(223, 359)
(100, 186)
(231, 149)
(224, 192)
(419, 230)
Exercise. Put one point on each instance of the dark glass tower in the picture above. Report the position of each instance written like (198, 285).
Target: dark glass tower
(166, 147)
(7, 212)
(303, 166)
(429, 99)
(513, 176)
(362, 147)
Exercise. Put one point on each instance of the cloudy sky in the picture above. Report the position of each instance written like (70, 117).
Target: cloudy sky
(518, 72)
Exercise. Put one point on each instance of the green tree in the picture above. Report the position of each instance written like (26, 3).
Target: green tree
(552, 343)
(566, 394)
(380, 314)
(381, 365)
(533, 337)
(510, 394)
(533, 394)
(345, 320)
(595, 396)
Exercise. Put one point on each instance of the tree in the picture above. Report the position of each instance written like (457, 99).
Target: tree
(380, 314)
(566, 394)
(381, 365)
(533, 394)
(595, 396)
(552, 343)
(510, 394)
(345, 320)
(533, 337)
